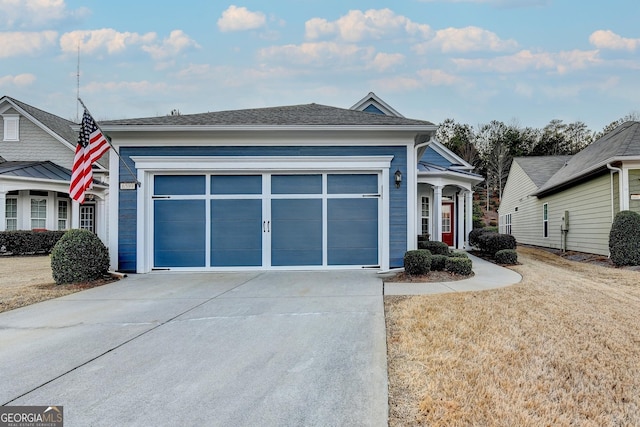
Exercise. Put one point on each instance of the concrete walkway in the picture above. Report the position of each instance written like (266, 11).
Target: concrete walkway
(487, 276)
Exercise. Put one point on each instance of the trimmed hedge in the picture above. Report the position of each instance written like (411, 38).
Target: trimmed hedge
(474, 236)
(417, 262)
(459, 255)
(438, 262)
(26, 242)
(462, 266)
(507, 257)
(439, 248)
(624, 239)
(79, 256)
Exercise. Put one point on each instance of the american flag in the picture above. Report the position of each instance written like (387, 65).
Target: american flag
(92, 144)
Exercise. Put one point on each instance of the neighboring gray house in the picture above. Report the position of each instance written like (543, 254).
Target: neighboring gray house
(569, 202)
(294, 187)
(36, 156)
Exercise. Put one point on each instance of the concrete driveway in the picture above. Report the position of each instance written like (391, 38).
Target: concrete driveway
(241, 349)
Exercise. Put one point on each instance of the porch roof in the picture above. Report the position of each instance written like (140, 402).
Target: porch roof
(36, 170)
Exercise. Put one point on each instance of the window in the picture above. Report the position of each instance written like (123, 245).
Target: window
(38, 213)
(63, 214)
(11, 127)
(425, 216)
(545, 220)
(446, 218)
(11, 214)
(507, 224)
(87, 213)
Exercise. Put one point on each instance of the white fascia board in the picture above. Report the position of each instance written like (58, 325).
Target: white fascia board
(266, 128)
(263, 163)
(450, 155)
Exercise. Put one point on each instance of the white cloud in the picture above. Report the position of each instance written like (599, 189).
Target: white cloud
(25, 43)
(35, 13)
(108, 39)
(466, 39)
(607, 39)
(384, 61)
(356, 26)
(438, 77)
(177, 42)
(19, 80)
(523, 60)
(240, 19)
(321, 53)
(112, 42)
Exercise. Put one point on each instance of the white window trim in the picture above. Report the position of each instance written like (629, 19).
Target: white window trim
(32, 218)
(147, 166)
(11, 127)
(7, 218)
(545, 232)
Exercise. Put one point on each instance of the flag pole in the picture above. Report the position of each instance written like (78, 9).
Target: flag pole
(111, 145)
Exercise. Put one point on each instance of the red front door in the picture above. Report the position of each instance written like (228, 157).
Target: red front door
(447, 223)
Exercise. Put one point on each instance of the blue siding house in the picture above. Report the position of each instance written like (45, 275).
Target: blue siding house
(293, 187)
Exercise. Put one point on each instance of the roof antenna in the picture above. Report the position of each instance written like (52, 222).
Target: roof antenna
(78, 85)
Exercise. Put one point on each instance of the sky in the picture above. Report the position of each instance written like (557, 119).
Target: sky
(518, 61)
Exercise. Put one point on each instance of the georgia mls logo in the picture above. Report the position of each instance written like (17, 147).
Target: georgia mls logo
(31, 416)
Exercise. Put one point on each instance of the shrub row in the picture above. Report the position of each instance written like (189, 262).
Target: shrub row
(501, 247)
(422, 261)
(24, 242)
(438, 248)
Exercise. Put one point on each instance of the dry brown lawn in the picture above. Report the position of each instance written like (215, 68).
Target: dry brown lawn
(25, 280)
(562, 348)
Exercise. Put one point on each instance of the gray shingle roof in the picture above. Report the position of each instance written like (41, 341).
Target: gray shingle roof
(541, 168)
(294, 115)
(623, 141)
(60, 126)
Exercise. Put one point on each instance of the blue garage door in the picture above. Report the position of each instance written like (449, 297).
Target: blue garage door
(210, 221)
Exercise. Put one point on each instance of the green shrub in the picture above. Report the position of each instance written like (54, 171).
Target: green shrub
(79, 256)
(417, 262)
(474, 236)
(438, 262)
(624, 239)
(439, 248)
(507, 257)
(490, 242)
(26, 242)
(458, 255)
(461, 266)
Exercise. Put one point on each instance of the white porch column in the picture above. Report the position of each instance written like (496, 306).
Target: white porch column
(460, 222)
(3, 210)
(437, 213)
(469, 217)
(75, 214)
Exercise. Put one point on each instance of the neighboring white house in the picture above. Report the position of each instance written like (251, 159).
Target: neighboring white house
(294, 187)
(569, 202)
(36, 156)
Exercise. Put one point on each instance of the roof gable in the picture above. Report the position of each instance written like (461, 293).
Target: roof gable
(622, 142)
(54, 125)
(540, 168)
(374, 104)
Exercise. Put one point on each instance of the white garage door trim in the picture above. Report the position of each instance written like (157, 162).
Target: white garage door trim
(148, 166)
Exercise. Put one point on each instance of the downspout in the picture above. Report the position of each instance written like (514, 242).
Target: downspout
(613, 170)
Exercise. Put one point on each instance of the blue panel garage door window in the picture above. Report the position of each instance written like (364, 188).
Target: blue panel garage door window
(179, 233)
(352, 222)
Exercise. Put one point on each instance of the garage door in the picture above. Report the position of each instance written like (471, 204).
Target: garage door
(266, 220)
